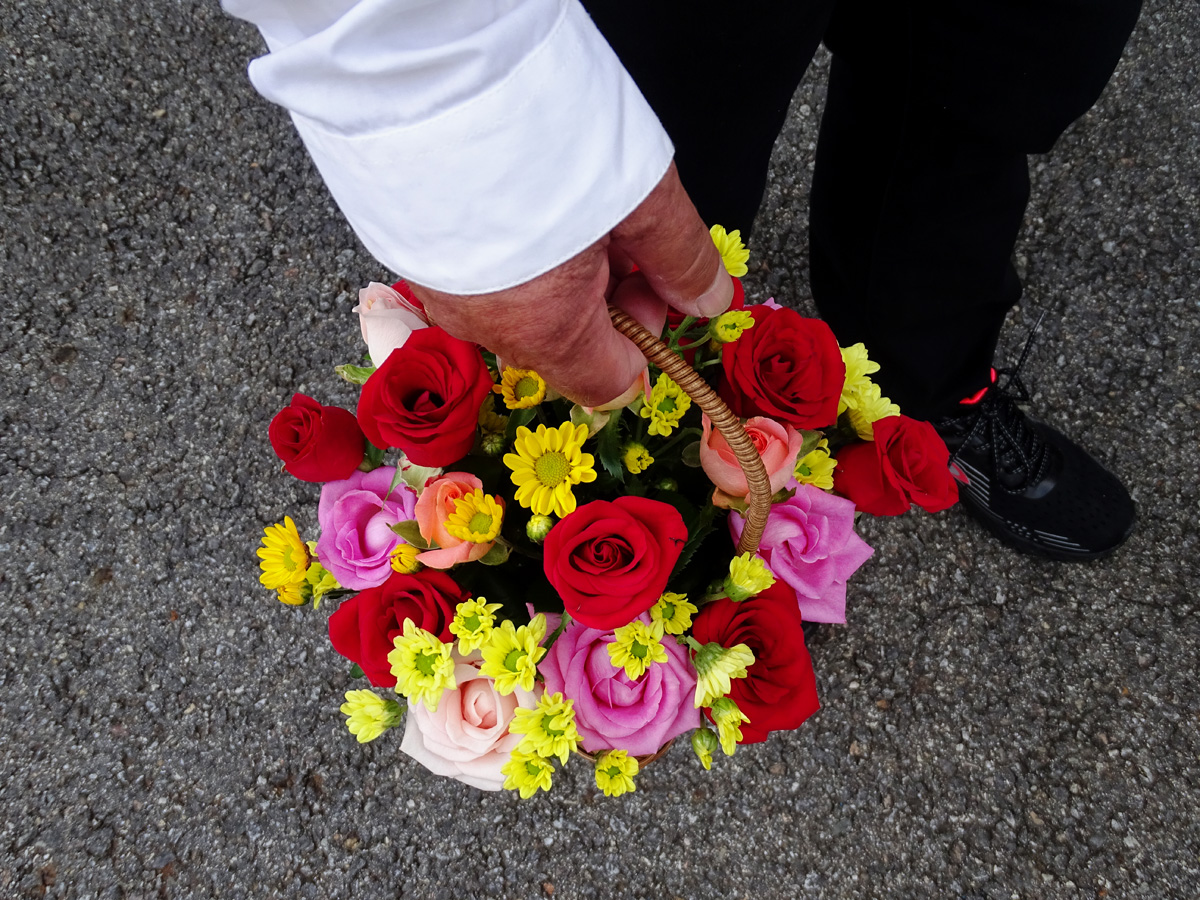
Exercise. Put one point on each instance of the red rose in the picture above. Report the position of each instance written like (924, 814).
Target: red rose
(780, 689)
(906, 462)
(365, 625)
(787, 368)
(609, 561)
(425, 398)
(315, 442)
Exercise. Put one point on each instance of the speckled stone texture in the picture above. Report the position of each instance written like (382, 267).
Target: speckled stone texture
(993, 726)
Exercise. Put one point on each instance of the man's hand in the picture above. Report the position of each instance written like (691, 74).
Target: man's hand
(558, 323)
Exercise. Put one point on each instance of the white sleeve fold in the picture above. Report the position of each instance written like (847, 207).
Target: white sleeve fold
(471, 144)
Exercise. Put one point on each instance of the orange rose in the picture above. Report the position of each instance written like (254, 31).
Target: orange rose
(778, 445)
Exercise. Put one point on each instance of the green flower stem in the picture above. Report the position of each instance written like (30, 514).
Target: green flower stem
(562, 626)
(673, 336)
(683, 433)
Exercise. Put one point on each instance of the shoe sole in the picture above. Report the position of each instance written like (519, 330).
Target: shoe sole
(1004, 531)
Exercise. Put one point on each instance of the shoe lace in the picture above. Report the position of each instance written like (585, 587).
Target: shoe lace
(1017, 448)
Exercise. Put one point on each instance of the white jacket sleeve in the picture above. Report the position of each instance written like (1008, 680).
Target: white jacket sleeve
(471, 144)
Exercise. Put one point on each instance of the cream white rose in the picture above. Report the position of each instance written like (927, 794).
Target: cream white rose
(387, 319)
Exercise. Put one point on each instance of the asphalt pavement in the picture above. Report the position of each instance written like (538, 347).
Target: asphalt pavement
(994, 726)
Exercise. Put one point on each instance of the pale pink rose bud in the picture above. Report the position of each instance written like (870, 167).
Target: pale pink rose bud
(778, 445)
(387, 319)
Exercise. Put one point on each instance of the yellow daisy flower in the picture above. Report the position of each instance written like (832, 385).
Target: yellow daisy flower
(728, 718)
(527, 773)
(284, 556)
(704, 744)
(636, 647)
(716, 666)
(476, 518)
(728, 326)
(748, 575)
(422, 665)
(294, 594)
(858, 367)
(637, 459)
(369, 715)
(614, 773)
(733, 252)
(674, 611)
(404, 558)
(473, 621)
(520, 388)
(547, 464)
(549, 727)
(870, 406)
(511, 655)
(816, 467)
(665, 407)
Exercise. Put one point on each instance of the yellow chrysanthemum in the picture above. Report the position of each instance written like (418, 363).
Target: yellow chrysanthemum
(284, 556)
(665, 406)
(816, 467)
(319, 579)
(404, 558)
(728, 718)
(636, 647)
(674, 611)
(476, 518)
(716, 666)
(858, 367)
(636, 458)
(511, 655)
(547, 464)
(733, 252)
(294, 594)
(369, 715)
(870, 406)
(748, 575)
(527, 773)
(520, 388)
(728, 326)
(614, 772)
(704, 743)
(549, 727)
(473, 622)
(422, 665)
(492, 428)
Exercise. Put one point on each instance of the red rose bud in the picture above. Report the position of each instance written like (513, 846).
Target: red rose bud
(315, 442)
(609, 560)
(365, 625)
(780, 689)
(425, 398)
(906, 463)
(787, 368)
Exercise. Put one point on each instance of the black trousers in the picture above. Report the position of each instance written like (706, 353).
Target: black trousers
(921, 177)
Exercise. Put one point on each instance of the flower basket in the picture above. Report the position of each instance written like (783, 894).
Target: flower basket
(518, 579)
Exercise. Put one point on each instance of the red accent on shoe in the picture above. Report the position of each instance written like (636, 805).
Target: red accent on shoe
(979, 394)
(958, 474)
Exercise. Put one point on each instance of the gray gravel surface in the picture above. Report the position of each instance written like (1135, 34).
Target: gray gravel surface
(993, 726)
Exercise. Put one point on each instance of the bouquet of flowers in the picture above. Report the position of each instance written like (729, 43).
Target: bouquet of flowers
(533, 579)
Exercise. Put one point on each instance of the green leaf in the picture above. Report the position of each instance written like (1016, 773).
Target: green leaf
(411, 532)
(373, 458)
(811, 439)
(518, 418)
(700, 528)
(357, 672)
(608, 449)
(354, 374)
(691, 455)
(498, 555)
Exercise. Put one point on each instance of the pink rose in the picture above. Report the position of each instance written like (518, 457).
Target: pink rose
(387, 319)
(611, 711)
(810, 544)
(467, 738)
(778, 446)
(356, 515)
(434, 508)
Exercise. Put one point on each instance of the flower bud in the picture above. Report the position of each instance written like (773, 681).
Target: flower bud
(538, 527)
(705, 744)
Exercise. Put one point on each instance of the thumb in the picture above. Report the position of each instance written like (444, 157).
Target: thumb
(666, 238)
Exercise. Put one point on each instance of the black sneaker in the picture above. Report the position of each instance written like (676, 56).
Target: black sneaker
(1030, 485)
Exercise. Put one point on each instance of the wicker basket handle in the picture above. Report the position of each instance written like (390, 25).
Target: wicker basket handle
(722, 418)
